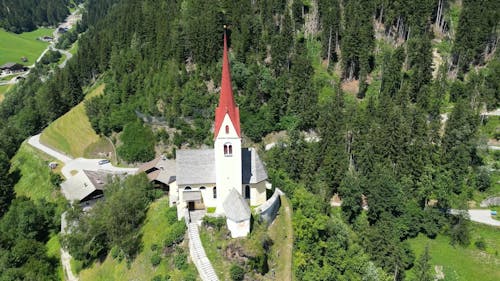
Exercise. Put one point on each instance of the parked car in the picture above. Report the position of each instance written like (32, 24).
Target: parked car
(104, 161)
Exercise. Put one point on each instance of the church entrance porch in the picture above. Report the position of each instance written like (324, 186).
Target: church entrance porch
(193, 200)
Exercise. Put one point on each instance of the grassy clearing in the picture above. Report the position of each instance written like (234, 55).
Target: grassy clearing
(54, 251)
(15, 46)
(281, 232)
(34, 175)
(72, 132)
(154, 231)
(74, 48)
(214, 243)
(3, 90)
(464, 263)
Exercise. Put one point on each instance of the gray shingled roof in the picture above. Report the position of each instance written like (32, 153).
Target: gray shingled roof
(253, 170)
(235, 207)
(195, 166)
(198, 166)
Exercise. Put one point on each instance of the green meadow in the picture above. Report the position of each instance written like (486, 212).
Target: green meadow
(463, 263)
(15, 46)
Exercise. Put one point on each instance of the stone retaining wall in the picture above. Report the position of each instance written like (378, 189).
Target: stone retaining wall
(492, 201)
(269, 209)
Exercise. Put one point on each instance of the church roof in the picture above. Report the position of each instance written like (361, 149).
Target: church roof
(226, 98)
(235, 207)
(197, 166)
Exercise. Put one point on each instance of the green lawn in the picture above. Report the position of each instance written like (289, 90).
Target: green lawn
(72, 132)
(34, 173)
(154, 232)
(461, 263)
(15, 46)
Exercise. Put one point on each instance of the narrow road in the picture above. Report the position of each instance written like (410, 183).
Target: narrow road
(35, 142)
(77, 164)
(480, 216)
(483, 216)
(198, 255)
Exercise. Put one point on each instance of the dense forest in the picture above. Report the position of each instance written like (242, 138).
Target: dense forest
(383, 141)
(26, 15)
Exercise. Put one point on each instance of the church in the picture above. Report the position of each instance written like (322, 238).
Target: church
(227, 178)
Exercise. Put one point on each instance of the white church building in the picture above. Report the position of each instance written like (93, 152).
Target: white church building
(228, 177)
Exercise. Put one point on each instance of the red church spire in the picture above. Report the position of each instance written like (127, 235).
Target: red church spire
(226, 98)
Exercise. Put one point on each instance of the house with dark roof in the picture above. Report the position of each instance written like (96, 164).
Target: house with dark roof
(12, 67)
(160, 171)
(85, 186)
(228, 177)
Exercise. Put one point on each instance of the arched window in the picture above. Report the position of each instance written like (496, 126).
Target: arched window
(227, 129)
(247, 192)
(187, 188)
(203, 188)
(215, 191)
(228, 150)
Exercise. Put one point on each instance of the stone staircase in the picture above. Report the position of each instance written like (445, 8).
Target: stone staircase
(197, 253)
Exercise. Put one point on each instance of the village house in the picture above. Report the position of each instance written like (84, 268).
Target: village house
(86, 187)
(12, 68)
(227, 178)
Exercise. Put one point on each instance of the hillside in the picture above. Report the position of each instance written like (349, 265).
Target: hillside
(154, 232)
(72, 132)
(394, 92)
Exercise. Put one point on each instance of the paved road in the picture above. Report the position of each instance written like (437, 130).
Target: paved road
(480, 216)
(35, 142)
(77, 164)
(483, 216)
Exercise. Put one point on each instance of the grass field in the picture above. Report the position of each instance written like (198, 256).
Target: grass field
(154, 232)
(464, 263)
(54, 250)
(4, 89)
(15, 46)
(281, 232)
(72, 132)
(34, 173)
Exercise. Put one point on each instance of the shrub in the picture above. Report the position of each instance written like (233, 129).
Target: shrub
(215, 222)
(175, 234)
(237, 273)
(155, 259)
(480, 244)
(180, 260)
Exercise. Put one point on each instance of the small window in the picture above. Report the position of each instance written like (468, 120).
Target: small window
(227, 129)
(215, 191)
(247, 192)
(228, 150)
(203, 188)
(187, 188)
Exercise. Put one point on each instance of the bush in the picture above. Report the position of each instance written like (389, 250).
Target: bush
(480, 244)
(180, 260)
(215, 222)
(237, 273)
(155, 259)
(175, 234)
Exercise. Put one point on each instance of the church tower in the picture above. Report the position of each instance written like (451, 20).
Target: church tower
(227, 146)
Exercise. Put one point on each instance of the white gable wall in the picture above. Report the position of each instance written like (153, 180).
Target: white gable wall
(228, 167)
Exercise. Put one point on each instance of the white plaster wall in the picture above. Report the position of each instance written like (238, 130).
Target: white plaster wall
(173, 197)
(207, 194)
(238, 229)
(257, 193)
(228, 169)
